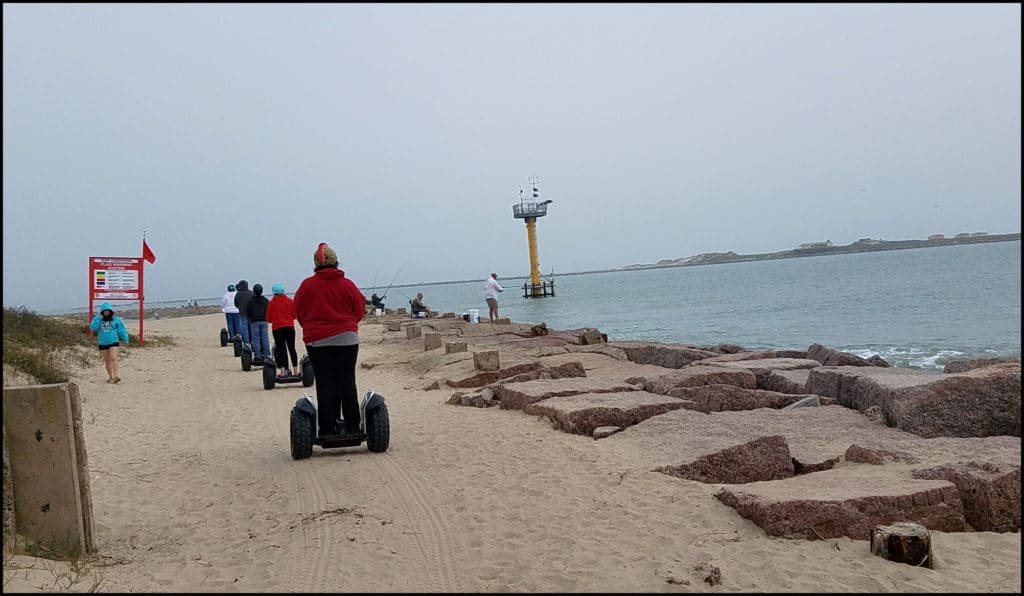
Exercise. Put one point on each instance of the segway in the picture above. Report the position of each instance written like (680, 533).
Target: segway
(237, 342)
(374, 427)
(224, 337)
(248, 360)
(270, 377)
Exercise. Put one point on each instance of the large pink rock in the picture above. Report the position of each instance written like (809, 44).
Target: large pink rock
(876, 455)
(959, 366)
(829, 357)
(516, 396)
(559, 371)
(722, 398)
(602, 366)
(762, 368)
(990, 493)
(581, 414)
(977, 403)
(763, 458)
(845, 502)
(817, 437)
(479, 379)
(788, 381)
(758, 355)
(662, 354)
(694, 376)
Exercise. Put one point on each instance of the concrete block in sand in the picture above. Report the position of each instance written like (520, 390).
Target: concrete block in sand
(413, 331)
(581, 414)
(451, 347)
(981, 402)
(486, 361)
(695, 376)
(394, 325)
(764, 367)
(990, 493)
(516, 396)
(432, 341)
(723, 398)
(845, 502)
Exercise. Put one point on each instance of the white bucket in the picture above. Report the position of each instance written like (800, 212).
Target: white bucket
(378, 312)
(474, 315)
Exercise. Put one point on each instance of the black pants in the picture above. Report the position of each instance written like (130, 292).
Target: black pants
(334, 368)
(284, 339)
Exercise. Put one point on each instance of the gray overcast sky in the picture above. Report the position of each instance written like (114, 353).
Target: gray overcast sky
(240, 136)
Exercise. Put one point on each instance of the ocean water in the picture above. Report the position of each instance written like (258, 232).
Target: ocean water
(916, 308)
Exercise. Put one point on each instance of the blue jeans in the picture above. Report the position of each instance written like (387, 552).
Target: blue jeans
(233, 323)
(243, 324)
(260, 339)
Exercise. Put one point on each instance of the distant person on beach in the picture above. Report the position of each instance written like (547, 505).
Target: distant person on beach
(491, 290)
(417, 304)
(110, 331)
(227, 306)
(256, 310)
(329, 308)
(377, 302)
(281, 315)
(242, 297)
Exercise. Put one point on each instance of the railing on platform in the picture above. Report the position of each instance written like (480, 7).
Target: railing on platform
(544, 288)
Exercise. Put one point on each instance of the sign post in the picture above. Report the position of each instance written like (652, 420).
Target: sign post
(116, 278)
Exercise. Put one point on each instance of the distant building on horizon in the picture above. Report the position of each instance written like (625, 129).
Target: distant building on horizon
(937, 237)
(807, 245)
(868, 241)
(976, 234)
(963, 235)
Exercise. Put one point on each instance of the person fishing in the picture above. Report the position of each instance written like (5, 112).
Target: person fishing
(417, 304)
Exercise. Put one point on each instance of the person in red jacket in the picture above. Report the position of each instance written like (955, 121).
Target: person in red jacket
(329, 307)
(281, 315)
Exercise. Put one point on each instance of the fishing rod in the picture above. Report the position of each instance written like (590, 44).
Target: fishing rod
(392, 282)
(375, 280)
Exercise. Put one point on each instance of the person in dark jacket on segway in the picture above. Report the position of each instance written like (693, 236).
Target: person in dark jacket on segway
(329, 308)
(243, 295)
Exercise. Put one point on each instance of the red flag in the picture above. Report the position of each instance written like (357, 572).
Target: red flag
(147, 253)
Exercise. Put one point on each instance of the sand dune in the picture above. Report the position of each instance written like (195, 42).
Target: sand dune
(194, 491)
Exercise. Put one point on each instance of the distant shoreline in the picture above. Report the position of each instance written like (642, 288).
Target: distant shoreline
(866, 245)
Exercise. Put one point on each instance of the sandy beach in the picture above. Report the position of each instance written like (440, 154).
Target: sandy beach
(194, 490)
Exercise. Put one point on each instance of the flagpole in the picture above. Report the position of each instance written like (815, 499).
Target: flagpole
(142, 290)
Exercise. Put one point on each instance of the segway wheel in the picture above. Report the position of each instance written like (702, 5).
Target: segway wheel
(237, 341)
(223, 337)
(378, 429)
(269, 375)
(246, 358)
(301, 434)
(307, 372)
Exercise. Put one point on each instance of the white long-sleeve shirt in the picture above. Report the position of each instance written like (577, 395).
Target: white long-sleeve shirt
(227, 303)
(491, 288)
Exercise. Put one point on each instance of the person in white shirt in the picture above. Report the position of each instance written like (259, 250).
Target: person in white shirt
(491, 289)
(227, 306)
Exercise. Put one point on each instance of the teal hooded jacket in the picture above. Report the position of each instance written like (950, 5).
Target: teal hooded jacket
(108, 332)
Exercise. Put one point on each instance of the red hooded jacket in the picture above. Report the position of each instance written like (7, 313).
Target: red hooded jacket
(328, 303)
(281, 312)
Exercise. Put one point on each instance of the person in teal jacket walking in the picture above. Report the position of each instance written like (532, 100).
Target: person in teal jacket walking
(110, 331)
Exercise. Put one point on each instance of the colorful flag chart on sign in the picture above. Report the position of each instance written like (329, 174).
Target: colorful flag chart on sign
(101, 279)
(114, 279)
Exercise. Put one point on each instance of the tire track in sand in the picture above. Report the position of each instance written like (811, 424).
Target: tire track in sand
(311, 564)
(430, 532)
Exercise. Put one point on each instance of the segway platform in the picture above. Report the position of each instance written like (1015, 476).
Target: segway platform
(270, 377)
(374, 427)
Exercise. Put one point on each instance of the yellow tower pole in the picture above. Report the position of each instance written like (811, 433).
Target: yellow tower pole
(531, 236)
